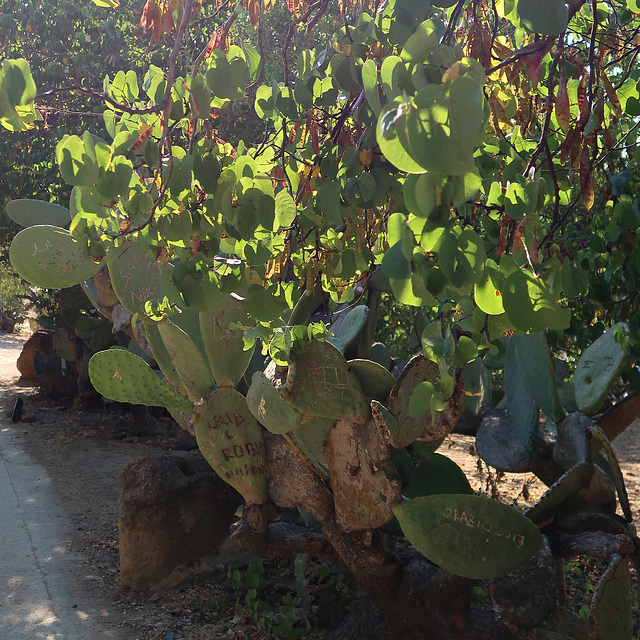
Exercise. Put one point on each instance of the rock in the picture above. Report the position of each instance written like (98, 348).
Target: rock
(174, 513)
(39, 341)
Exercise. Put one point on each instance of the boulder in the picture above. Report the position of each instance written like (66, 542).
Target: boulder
(39, 341)
(175, 512)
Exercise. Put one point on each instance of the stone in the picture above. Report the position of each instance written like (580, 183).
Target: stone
(175, 513)
(39, 341)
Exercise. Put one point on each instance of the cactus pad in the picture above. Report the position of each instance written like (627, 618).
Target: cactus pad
(225, 346)
(535, 365)
(498, 444)
(135, 277)
(418, 370)
(364, 482)
(311, 437)
(598, 369)
(269, 408)
(323, 385)
(375, 380)
(380, 354)
(28, 213)
(120, 375)
(230, 439)
(468, 535)
(187, 360)
(346, 330)
(49, 257)
(611, 608)
(437, 474)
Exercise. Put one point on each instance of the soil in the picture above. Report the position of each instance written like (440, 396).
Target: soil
(83, 452)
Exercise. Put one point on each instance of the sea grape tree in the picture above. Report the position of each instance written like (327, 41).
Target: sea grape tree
(474, 160)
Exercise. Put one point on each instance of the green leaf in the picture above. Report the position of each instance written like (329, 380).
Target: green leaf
(421, 43)
(549, 17)
(370, 82)
(285, 211)
(81, 159)
(460, 257)
(17, 91)
(328, 202)
(392, 134)
(529, 304)
(487, 290)
(262, 304)
(468, 535)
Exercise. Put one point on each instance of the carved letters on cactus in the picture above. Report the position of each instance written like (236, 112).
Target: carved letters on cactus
(49, 257)
(135, 277)
(324, 386)
(468, 535)
(224, 346)
(365, 484)
(231, 440)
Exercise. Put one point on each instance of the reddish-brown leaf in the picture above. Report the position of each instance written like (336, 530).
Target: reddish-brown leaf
(586, 178)
(502, 240)
(517, 236)
(611, 92)
(254, 12)
(583, 105)
(608, 140)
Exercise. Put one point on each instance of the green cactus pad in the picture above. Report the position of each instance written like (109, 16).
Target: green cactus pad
(49, 257)
(375, 380)
(611, 613)
(598, 369)
(523, 410)
(187, 360)
(311, 437)
(566, 486)
(269, 408)
(418, 370)
(536, 370)
(151, 332)
(120, 375)
(424, 449)
(436, 474)
(230, 439)
(135, 277)
(323, 386)
(28, 213)
(498, 444)
(380, 354)
(468, 535)
(349, 327)
(225, 346)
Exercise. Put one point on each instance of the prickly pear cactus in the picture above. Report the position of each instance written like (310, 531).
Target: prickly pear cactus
(28, 213)
(468, 535)
(120, 375)
(187, 360)
(161, 355)
(224, 346)
(269, 408)
(321, 385)
(418, 370)
(364, 481)
(598, 369)
(230, 439)
(49, 257)
(135, 277)
(375, 380)
(611, 612)
(311, 438)
(349, 327)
